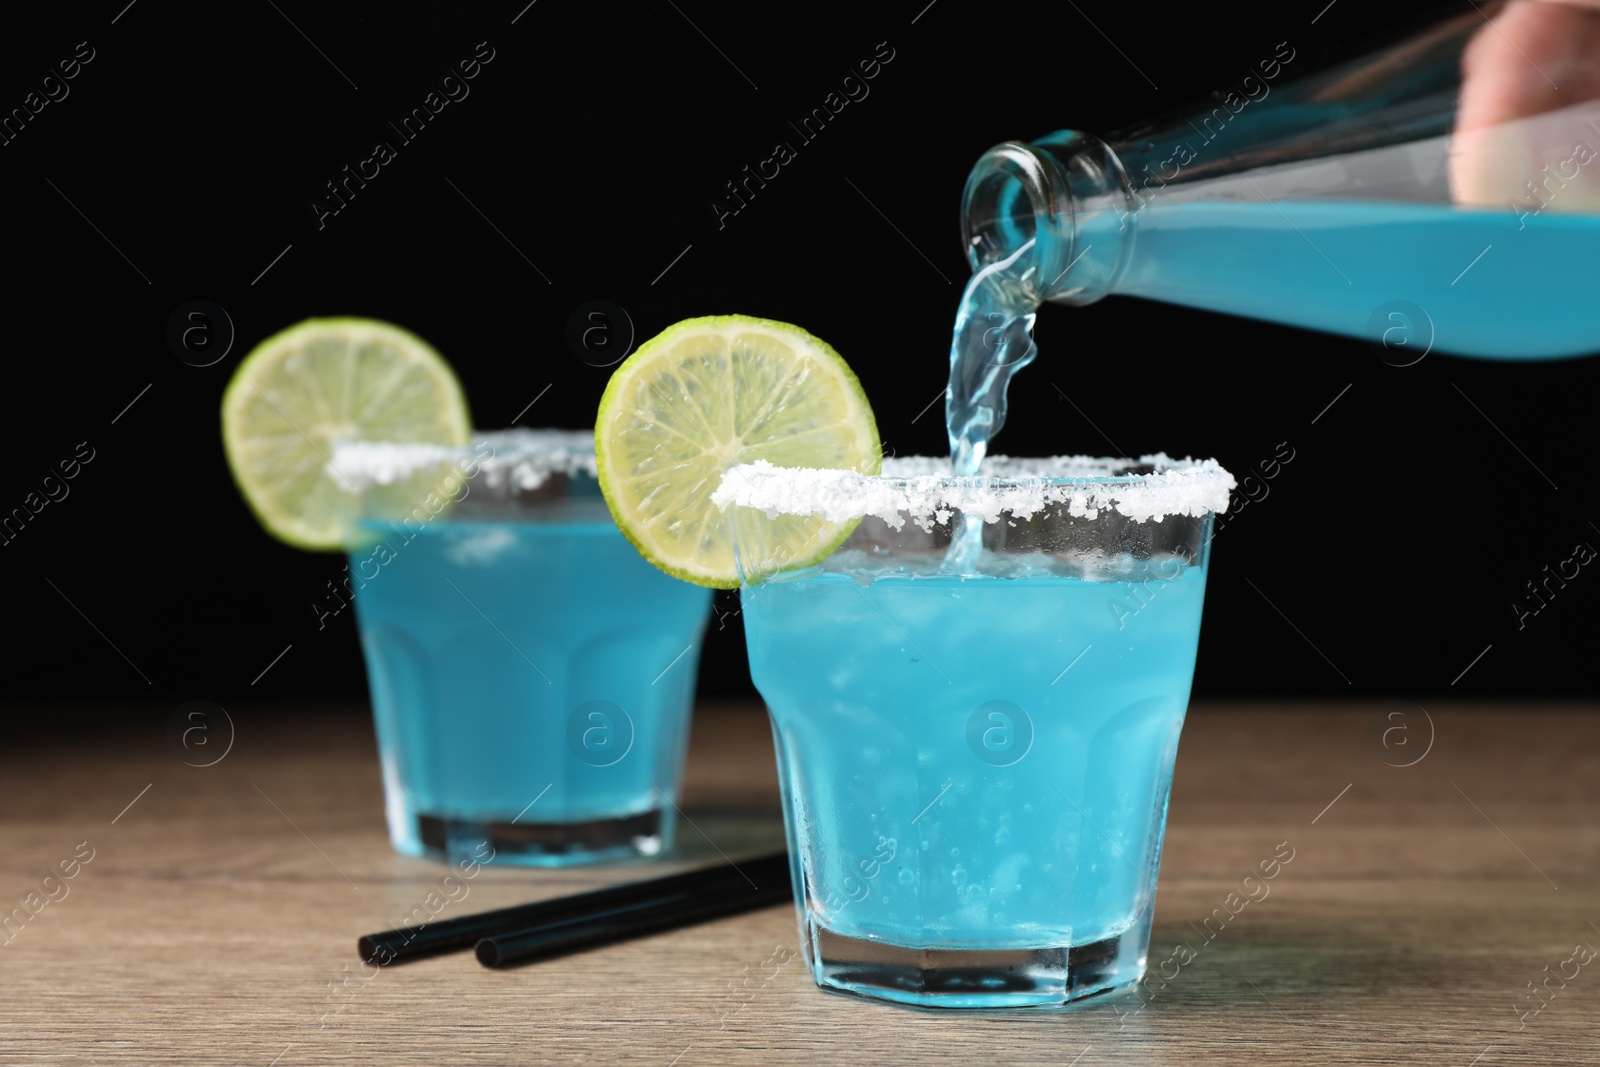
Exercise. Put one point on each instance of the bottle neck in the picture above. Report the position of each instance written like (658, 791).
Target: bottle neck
(1068, 194)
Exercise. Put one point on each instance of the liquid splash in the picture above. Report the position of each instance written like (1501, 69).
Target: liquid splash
(993, 340)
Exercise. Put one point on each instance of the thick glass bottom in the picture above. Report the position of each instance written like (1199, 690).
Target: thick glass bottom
(538, 844)
(977, 978)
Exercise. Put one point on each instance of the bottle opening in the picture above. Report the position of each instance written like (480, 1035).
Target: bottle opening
(1016, 194)
(1058, 193)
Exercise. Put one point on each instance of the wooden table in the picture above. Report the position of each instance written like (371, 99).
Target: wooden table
(217, 917)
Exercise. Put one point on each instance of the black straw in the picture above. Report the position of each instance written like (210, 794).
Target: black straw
(661, 911)
(725, 889)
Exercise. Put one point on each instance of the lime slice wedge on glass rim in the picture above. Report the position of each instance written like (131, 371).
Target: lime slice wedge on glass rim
(325, 381)
(708, 394)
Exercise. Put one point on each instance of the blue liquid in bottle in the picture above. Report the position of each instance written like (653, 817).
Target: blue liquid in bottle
(1474, 282)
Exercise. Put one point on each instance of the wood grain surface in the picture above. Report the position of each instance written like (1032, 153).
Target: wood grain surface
(215, 920)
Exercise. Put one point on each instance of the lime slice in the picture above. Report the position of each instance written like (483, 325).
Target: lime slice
(703, 396)
(328, 380)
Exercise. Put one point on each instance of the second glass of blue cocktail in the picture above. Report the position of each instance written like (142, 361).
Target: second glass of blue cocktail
(976, 703)
(531, 676)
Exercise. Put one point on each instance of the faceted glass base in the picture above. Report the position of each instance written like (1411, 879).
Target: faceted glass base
(976, 977)
(539, 844)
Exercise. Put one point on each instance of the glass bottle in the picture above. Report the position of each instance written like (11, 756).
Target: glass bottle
(1442, 192)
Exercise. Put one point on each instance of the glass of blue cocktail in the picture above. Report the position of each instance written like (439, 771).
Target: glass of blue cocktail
(976, 702)
(531, 676)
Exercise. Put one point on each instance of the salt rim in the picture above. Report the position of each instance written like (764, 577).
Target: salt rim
(921, 488)
(522, 458)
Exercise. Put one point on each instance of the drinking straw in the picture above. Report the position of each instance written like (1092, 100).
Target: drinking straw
(651, 914)
(725, 889)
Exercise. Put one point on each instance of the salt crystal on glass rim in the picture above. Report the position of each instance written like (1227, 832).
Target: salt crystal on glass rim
(523, 458)
(922, 488)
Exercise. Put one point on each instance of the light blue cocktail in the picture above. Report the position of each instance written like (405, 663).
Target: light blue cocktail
(531, 675)
(976, 744)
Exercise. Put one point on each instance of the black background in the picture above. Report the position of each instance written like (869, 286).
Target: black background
(1383, 561)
